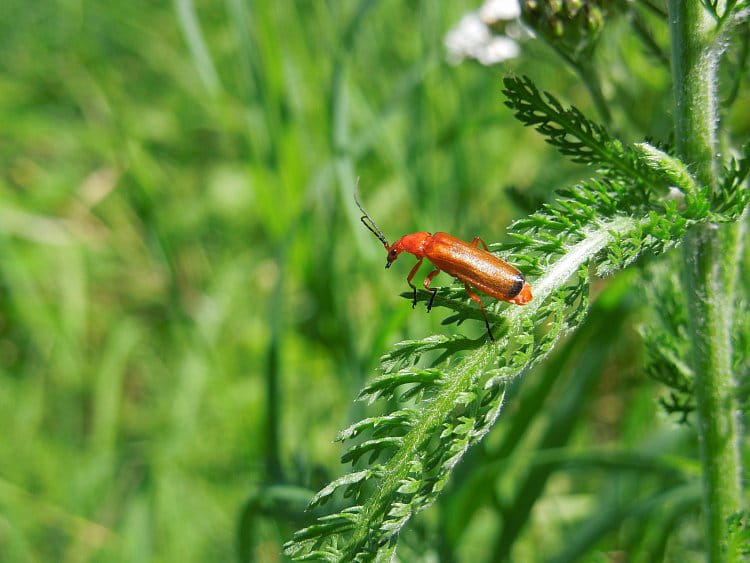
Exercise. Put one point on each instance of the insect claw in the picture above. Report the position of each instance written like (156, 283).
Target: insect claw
(432, 299)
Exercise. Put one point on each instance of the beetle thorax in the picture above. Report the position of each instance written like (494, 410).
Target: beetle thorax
(414, 243)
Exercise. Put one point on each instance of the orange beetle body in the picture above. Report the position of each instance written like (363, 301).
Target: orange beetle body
(465, 262)
(462, 260)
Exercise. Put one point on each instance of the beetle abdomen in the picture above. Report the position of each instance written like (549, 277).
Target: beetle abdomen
(475, 266)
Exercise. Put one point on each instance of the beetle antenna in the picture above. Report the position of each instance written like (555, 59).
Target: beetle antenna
(367, 220)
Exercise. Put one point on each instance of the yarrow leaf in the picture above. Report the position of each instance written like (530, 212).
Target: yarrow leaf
(443, 408)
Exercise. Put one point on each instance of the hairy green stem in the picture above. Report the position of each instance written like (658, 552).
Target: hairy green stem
(707, 253)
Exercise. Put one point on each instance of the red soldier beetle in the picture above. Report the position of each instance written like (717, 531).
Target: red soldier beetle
(464, 261)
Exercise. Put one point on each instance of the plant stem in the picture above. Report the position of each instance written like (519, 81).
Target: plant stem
(274, 471)
(707, 254)
(586, 71)
(590, 78)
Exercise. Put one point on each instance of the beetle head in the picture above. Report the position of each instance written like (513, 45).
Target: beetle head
(393, 252)
(414, 244)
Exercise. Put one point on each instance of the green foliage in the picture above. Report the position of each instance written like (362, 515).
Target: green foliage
(739, 540)
(190, 304)
(602, 225)
(665, 338)
(574, 135)
(724, 11)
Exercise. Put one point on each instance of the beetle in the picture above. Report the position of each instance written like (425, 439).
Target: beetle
(464, 261)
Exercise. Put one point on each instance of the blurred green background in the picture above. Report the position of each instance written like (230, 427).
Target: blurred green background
(189, 304)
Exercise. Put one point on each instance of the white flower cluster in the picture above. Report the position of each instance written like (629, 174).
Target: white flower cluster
(472, 37)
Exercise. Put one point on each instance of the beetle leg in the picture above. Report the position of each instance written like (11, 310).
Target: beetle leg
(410, 277)
(476, 242)
(433, 290)
(475, 297)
